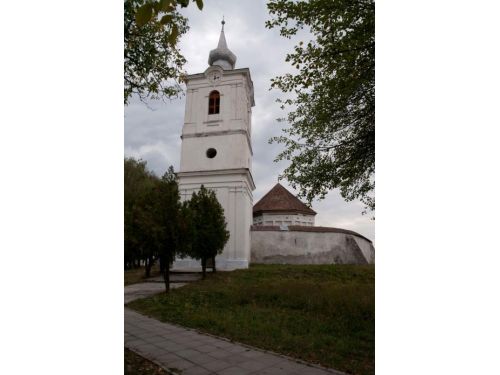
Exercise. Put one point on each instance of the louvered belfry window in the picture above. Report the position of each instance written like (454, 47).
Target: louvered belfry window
(213, 103)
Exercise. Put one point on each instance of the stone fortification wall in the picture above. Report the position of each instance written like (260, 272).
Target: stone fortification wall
(309, 245)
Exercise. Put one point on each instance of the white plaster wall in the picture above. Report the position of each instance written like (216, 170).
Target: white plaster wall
(232, 152)
(286, 219)
(228, 131)
(236, 99)
(294, 247)
(367, 248)
(235, 197)
(229, 172)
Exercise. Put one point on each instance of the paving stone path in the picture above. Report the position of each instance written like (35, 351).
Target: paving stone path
(178, 277)
(187, 352)
(143, 290)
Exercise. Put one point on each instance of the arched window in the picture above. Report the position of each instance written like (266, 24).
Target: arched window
(213, 103)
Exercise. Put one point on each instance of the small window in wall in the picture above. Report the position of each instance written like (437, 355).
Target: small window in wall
(214, 103)
(211, 152)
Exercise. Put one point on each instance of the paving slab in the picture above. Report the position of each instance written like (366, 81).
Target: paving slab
(143, 290)
(175, 277)
(191, 352)
(196, 370)
(234, 370)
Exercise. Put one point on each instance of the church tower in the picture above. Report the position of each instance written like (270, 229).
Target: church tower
(216, 148)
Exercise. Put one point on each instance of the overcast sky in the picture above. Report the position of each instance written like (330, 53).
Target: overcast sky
(153, 133)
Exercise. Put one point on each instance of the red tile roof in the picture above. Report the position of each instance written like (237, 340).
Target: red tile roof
(278, 199)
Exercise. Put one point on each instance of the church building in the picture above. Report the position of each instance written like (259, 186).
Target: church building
(216, 148)
(216, 152)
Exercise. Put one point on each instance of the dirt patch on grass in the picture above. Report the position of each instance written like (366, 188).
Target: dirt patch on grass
(137, 365)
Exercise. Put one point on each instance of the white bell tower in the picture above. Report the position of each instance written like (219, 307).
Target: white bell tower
(216, 149)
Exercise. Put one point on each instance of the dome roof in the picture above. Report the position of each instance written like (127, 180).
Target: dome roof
(222, 56)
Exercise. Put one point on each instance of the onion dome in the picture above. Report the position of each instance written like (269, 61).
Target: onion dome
(222, 56)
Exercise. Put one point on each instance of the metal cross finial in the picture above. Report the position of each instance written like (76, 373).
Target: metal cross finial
(223, 22)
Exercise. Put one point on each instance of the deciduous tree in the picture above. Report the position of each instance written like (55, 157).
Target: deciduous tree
(138, 183)
(153, 63)
(330, 139)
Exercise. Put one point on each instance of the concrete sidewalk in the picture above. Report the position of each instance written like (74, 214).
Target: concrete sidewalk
(155, 285)
(146, 289)
(185, 351)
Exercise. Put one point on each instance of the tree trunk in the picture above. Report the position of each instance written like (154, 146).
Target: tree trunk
(213, 264)
(166, 276)
(149, 263)
(204, 266)
(162, 265)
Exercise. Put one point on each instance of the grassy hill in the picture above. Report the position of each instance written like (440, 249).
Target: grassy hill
(323, 314)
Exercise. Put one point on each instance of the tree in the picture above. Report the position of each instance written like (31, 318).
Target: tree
(209, 227)
(138, 182)
(151, 226)
(157, 225)
(153, 62)
(174, 222)
(146, 226)
(330, 140)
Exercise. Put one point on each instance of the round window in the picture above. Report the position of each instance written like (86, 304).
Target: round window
(211, 152)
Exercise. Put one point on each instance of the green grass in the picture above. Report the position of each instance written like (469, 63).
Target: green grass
(137, 275)
(322, 314)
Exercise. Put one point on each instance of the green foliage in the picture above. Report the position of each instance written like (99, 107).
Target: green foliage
(168, 214)
(144, 14)
(138, 184)
(331, 138)
(319, 313)
(185, 230)
(174, 218)
(157, 225)
(209, 226)
(136, 275)
(153, 63)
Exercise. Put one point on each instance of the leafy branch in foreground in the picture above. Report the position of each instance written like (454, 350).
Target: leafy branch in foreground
(153, 64)
(330, 139)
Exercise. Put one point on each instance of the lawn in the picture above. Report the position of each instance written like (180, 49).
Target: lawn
(323, 314)
(137, 275)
